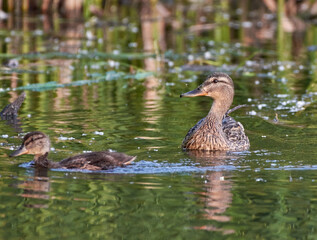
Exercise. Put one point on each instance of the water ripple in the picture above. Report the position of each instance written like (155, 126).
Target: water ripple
(152, 167)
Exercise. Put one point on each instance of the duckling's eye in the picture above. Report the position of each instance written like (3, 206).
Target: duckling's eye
(215, 80)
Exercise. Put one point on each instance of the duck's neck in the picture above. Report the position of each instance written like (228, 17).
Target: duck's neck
(42, 161)
(217, 111)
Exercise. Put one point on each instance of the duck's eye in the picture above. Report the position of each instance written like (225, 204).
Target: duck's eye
(215, 80)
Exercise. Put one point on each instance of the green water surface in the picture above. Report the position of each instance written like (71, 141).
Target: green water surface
(89, 94)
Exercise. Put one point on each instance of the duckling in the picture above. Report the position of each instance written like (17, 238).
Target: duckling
(38, 144)
(217, 131)
(11, 110)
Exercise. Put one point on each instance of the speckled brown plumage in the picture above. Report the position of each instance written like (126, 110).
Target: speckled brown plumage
(217, 131)
(38, 144)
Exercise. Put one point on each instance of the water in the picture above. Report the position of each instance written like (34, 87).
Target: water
(88, 87)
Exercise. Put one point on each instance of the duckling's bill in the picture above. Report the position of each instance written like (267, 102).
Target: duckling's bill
(22, 150)
(194, 93)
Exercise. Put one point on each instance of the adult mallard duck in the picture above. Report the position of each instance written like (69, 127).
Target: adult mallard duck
(217, 131)
(38, 144)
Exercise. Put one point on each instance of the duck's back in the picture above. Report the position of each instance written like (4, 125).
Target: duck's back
(97, 160)
(235, 138)
(234, 132)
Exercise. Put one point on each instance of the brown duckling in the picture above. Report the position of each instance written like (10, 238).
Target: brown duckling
(217, 131)
(38, 144)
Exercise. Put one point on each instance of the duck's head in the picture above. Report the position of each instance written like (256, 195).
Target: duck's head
(35, 143)
(218, 86)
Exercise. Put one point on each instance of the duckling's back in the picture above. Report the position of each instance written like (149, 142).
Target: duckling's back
(97, 160)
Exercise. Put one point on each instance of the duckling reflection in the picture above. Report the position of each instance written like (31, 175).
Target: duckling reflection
(38, 144)
(216, 131)
(36, 187)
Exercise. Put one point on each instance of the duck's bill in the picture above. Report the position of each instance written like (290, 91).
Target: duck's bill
(22, 150)
(195, 93)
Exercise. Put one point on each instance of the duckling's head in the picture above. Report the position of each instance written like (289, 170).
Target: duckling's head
(35, 143)
(218, 86)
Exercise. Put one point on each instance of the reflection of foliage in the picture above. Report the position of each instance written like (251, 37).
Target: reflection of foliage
(67, 55)
(108, 76)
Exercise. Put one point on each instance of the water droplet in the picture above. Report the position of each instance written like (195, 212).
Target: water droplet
(99, 133)
(252, 113)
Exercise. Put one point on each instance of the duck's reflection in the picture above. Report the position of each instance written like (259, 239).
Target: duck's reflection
(36, 187)
(217, 197)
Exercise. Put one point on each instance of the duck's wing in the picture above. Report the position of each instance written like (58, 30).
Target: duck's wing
(191, 132)
(97, 160)
(235, 134)
(11, 110)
